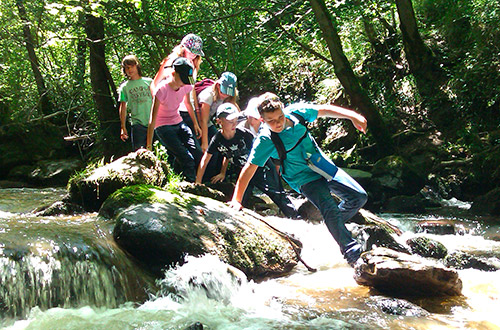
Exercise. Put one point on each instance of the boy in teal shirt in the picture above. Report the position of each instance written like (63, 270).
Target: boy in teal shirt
(135, 97)
(298, 174)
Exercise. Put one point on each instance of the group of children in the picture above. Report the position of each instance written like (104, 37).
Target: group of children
(179, 114)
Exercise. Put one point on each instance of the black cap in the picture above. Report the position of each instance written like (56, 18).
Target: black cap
(184, 68)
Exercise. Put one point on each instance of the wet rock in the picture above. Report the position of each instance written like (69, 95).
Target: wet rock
(427, 247)
(400, 307)
(60, 208)
(47, 172)
(463, 260)
(397, 273)
(374, 236)
(91, 187)
(28, 143)
(308, 211)
(437, 227)
(222, 192)
(162, 233)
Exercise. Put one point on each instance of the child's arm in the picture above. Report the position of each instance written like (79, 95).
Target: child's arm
(203, 166)
(222, 175)
(123, 120)
(152, 121)
(159, 76)
(189, 107)
(246, 175)
(205, 113)
(334, 111)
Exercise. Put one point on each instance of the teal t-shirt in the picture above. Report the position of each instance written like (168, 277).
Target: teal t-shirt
(297, 173)
(139, 100)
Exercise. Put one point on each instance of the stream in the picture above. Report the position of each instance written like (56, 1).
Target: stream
(66, 272)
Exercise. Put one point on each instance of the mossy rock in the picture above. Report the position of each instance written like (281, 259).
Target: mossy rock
(92, 186)
(427, 247)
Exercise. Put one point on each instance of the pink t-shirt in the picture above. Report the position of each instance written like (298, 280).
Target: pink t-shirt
(168, 111)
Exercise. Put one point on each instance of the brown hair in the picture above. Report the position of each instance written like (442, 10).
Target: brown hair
(269, 102)
(131, 60)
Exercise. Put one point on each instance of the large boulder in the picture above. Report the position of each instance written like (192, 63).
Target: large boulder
(398, 273)
(163, 230)
(395, 176)
(488, 203)
(91, 187)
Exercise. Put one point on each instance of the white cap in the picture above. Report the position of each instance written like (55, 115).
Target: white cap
(251, 109)
(228, 111)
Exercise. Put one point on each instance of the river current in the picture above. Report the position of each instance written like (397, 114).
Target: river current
(66, 272)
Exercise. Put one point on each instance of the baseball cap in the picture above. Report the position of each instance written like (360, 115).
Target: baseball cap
(228, 111)
(251, 109)
(227, 83)
(182, 66)
(193, 43)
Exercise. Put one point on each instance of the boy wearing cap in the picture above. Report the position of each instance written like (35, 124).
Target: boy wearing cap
(235, 145)
(295, 169)
(253, 122)
(223, 90)
(166, 122)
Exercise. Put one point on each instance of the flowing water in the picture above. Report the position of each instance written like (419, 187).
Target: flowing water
(66, 273)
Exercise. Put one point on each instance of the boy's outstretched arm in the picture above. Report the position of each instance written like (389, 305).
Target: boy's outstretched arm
(334, 111)
(203, 166)
(246, 175)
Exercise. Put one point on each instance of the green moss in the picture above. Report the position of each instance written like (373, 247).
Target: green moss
(136, 194)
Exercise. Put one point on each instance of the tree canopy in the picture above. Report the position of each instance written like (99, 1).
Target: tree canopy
(403, 64)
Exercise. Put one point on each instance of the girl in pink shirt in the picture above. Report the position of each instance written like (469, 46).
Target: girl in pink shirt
(166, 123)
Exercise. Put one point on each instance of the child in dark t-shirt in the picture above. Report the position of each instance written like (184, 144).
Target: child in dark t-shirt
(235, 145)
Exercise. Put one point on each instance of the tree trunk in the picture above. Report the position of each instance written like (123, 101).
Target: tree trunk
(349, 81)
(424, 67)
(109, 126)
(44, 104)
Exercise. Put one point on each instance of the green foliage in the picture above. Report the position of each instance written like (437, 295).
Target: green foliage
(80, 175)
(254, 39)
(173, 179)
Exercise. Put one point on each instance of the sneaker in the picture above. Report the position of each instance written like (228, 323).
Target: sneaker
(352, 254)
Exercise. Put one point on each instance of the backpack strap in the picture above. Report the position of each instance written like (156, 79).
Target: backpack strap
(280, 147)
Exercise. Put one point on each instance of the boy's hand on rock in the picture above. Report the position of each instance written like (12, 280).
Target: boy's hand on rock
(235, 205)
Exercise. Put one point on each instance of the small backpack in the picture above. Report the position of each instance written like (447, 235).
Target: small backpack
(318, 161)
(202, 84)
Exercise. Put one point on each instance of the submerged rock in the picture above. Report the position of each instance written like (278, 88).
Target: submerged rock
(400, 307)
(163, 232)
(438, 227)
(463, 260)
(403, 274)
